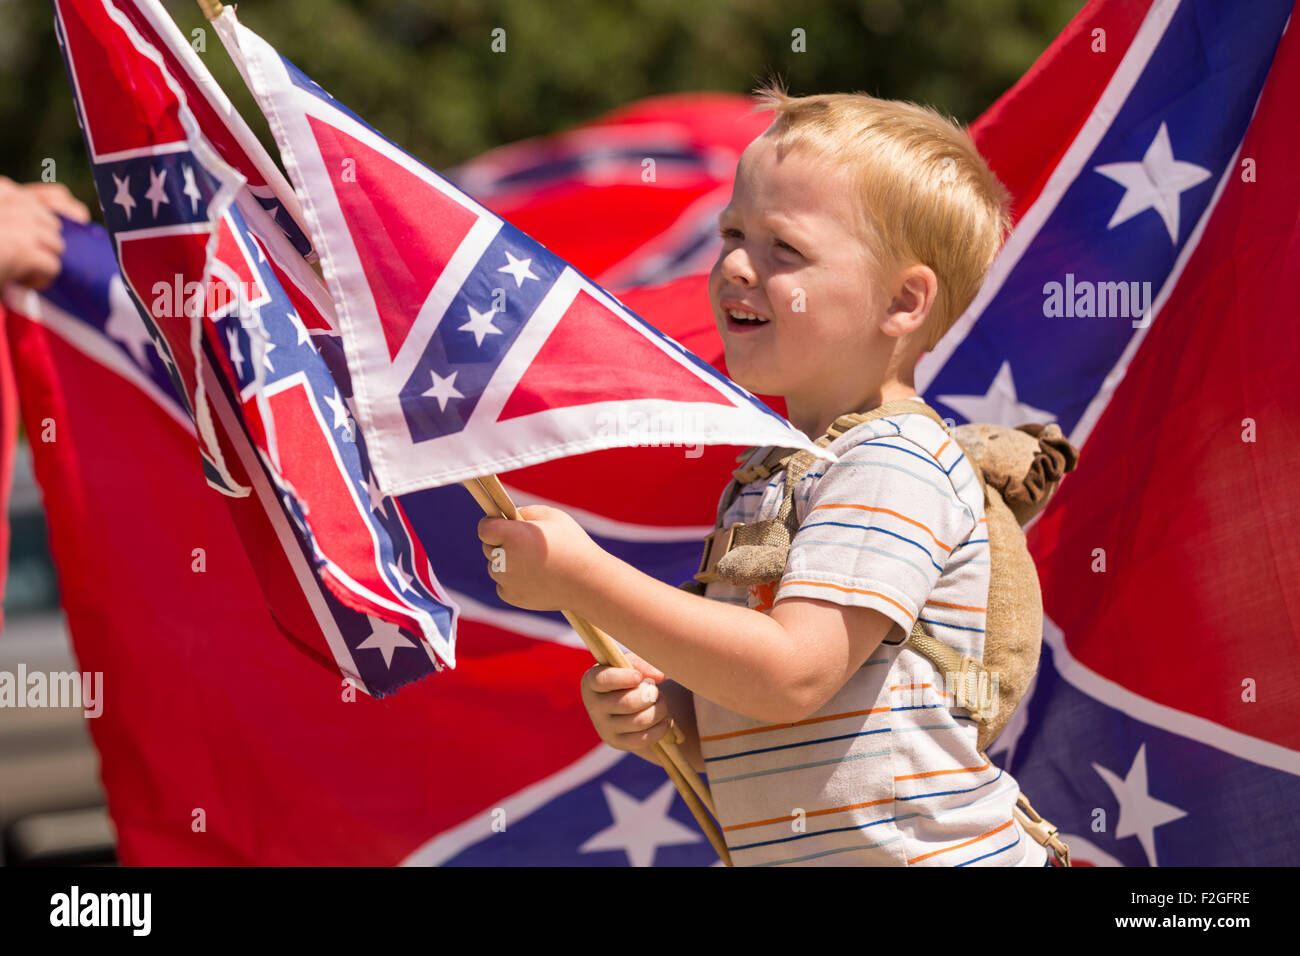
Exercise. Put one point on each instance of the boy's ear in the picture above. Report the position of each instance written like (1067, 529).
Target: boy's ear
(913, 296)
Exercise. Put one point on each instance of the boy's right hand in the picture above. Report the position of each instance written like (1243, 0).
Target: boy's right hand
(625, 705)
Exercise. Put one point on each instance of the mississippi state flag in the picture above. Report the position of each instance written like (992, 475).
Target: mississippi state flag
(471, 347)
(232, 316)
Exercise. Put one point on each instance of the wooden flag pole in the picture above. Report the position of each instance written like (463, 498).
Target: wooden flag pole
(601, 645)
(494, 501)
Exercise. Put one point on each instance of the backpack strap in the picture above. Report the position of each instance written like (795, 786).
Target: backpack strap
(746, 553)
(960, 671)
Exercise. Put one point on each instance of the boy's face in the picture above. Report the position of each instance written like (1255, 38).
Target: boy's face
(793, 254)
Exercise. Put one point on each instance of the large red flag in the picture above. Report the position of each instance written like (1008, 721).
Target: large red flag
(1104, 728)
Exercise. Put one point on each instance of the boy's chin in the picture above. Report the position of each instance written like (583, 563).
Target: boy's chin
(753, 380)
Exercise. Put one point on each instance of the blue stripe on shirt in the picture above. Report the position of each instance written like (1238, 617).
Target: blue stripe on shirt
(803, 743)
(857, 527)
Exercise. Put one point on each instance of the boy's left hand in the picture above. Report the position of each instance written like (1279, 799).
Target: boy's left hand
(540, 559)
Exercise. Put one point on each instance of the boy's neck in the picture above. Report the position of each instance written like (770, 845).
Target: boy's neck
(813, 418)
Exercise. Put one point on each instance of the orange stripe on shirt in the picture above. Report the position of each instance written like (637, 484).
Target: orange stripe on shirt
(919, 687)
(956, 607)
(958, 846)
(798, 723)
(810, 813)
(935, 773)
(889, 511)
(837, 587)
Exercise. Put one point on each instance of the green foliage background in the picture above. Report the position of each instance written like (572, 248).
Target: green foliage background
(424, 72)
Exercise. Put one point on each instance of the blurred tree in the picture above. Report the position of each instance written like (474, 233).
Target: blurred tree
(426, 73)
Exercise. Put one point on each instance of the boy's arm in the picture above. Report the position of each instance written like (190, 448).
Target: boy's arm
(778, 667)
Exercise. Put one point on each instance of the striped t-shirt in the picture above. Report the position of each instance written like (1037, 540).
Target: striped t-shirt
(887, 773)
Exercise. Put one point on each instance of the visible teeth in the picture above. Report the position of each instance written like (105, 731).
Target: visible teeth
(737, 314)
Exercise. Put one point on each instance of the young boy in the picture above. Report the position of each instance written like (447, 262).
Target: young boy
(858, 231)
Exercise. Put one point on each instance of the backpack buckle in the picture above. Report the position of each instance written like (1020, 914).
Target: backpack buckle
(716, 543)
(966, 692)
(1040, 830)
(757, 468)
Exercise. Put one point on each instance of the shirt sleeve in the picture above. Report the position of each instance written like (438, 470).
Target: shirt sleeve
(877, 529)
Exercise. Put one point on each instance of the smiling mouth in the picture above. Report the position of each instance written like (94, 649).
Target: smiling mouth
(738, 318)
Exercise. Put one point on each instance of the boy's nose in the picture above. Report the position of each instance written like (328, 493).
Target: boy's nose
(738, 268)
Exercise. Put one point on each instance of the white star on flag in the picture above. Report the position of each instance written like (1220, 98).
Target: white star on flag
(999, 405)
(480, 324)
(156, 195)
(123, 196)
(640, 827)
(191, 188)
(266, 355)
(1154, 183)
(408, 581)
(335, 403)
(443, 389)
(385, 638)
(124, 323)
(300, 327)
(232, 337)
(519, 268)
(1139, 812)
(372, 489)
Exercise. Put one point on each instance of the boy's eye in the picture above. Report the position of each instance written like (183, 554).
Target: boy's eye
(785, 245)
(728, 233)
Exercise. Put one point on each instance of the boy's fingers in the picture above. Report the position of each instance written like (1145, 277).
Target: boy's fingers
(639, 720)
(602, 679)
(645, 667)
(631, 701)
(489, 532)
(645, 739)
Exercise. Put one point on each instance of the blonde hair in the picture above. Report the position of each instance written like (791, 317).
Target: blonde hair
(926, 194)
